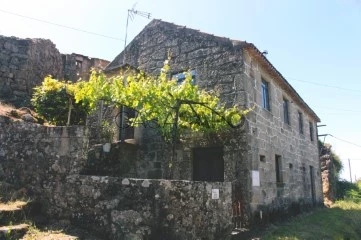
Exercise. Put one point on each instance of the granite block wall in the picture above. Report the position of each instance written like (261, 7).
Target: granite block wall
(23, 64)
(46, 161)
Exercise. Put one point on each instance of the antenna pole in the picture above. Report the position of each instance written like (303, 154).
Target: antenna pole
(130, 12)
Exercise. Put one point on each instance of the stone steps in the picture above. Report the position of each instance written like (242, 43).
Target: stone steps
(12, 212)
(12, 216)
(13, 231)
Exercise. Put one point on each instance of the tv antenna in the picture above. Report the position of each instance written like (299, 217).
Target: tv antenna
(131, 14)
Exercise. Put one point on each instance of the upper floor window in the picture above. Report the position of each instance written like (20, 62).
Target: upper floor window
(180, 77)
(311, 132)
(286, 115)
(300, 122)
(265, 95)
(278, 165)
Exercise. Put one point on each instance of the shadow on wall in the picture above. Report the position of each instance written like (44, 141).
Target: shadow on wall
(120, 161)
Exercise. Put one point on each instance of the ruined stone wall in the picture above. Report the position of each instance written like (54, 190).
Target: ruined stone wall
(23, 64)
(271, 136)
(328, 176)
(76, 66)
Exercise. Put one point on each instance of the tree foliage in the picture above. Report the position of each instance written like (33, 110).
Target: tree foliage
(349, 191)
(53, 99)
(173, 107)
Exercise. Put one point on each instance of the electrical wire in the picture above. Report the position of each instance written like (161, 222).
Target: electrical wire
(338, 109)
(345, 141)
(63, 26)
(326, 85)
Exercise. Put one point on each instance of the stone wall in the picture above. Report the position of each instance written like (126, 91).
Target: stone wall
(328, 176)
(270, 135)
(23, 64)
(39, 157)
(76, 66)
(46, 161)
(217, 61)
(120, 161)
(125, 208)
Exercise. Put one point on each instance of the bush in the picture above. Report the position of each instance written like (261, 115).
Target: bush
(53, 99)
(349, 191)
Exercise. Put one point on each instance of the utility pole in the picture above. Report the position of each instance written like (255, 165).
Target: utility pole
(349, 166)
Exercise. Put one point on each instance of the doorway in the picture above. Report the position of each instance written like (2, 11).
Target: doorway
(312, 178)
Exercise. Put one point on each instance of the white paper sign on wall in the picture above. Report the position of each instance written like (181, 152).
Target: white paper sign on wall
(215, 193)
(255, 179)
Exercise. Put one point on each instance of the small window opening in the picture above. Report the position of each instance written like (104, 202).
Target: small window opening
(180, 77)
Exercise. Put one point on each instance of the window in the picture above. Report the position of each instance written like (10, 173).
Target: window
(262, 158)
(78, 63)
(278, 169)
(286, 115)
(180, 77)
(311, 131)
(265, 95)
(300, 122)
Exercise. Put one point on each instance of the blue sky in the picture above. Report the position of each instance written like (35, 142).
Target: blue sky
(316, 45)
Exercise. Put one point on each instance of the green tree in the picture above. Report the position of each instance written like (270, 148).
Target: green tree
(54, 101)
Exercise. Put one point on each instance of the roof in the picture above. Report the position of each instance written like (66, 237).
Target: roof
(118, 62)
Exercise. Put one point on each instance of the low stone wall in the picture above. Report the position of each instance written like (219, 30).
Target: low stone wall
(46, 161)
(145, 209)
(36, 156)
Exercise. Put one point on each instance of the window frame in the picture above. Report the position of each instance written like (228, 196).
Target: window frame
(300, 122)
(265, 94)
(278, 169)
(286, 111)
(312, 137)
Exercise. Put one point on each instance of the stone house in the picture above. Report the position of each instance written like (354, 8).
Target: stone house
(272, 162)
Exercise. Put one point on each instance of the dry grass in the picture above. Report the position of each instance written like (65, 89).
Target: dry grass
(36, 234)
(5, 109)
(12, 206)
(14, 227)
